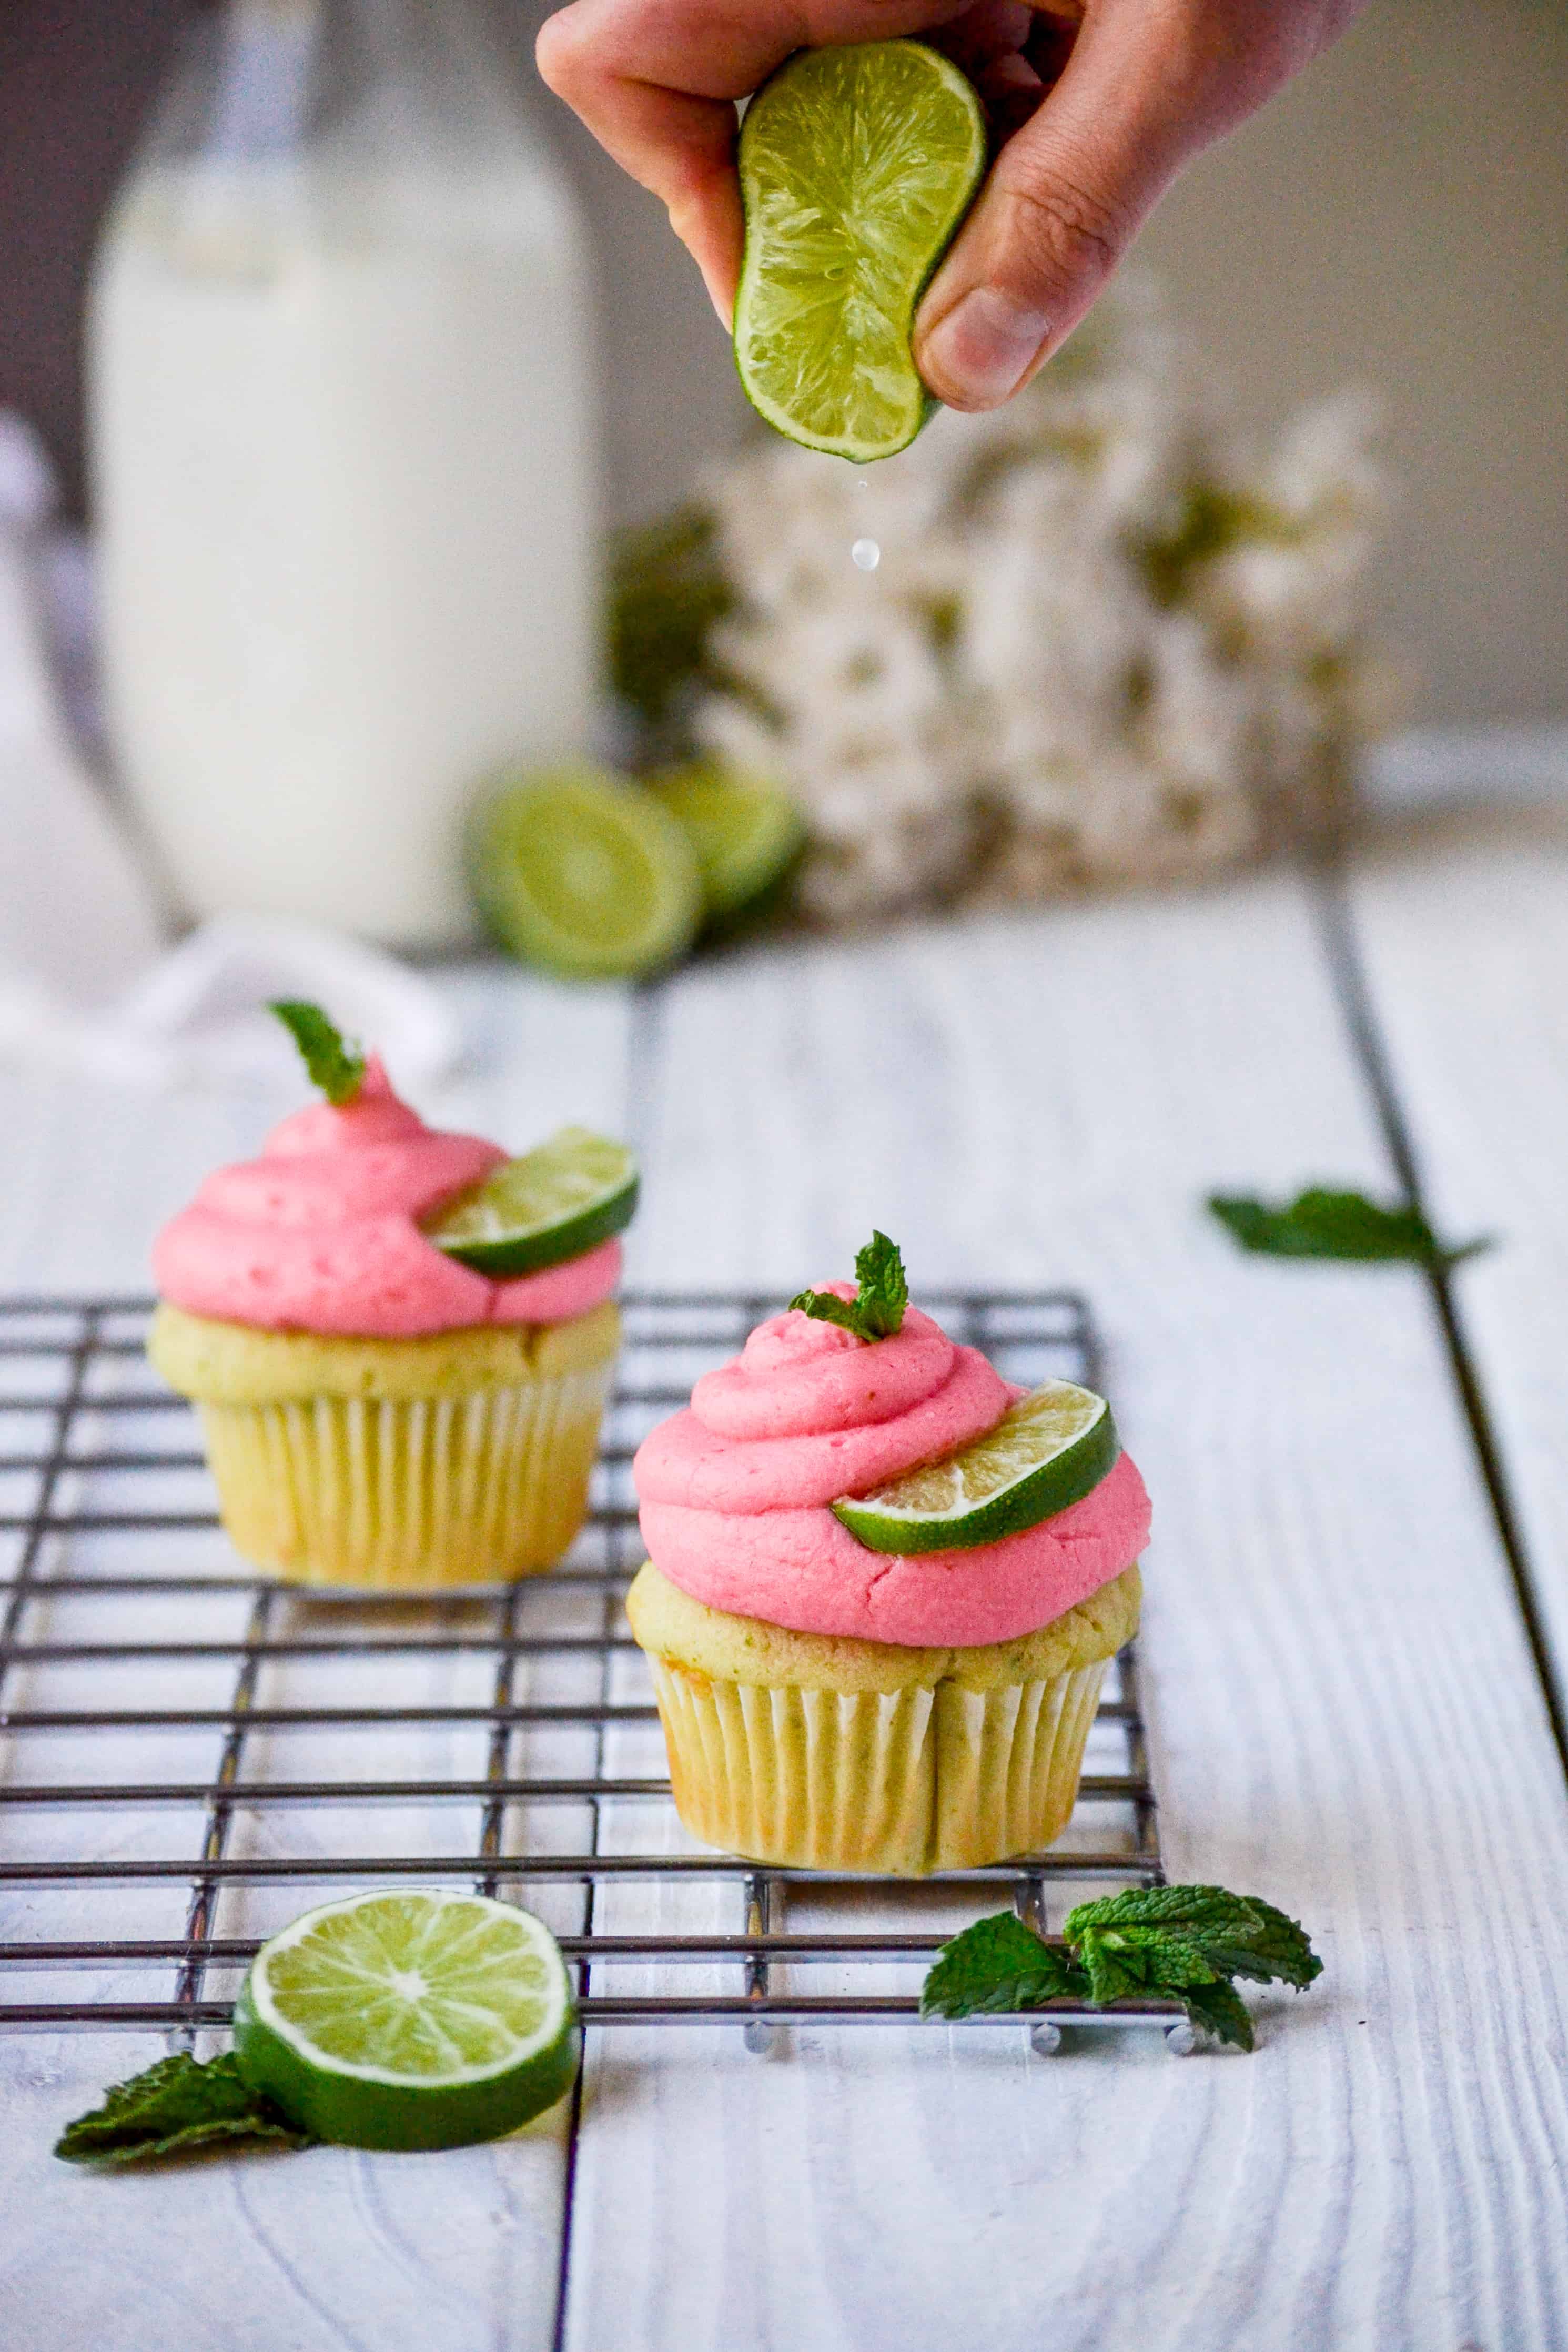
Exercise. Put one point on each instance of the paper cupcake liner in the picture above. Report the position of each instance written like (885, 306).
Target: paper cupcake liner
(408, 1492)
(904, 1781)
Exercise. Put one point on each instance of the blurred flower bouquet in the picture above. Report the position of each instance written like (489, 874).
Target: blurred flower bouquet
(1107, 639)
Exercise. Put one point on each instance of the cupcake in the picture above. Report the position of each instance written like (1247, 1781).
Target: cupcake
(882, 1588)
(399, 1342)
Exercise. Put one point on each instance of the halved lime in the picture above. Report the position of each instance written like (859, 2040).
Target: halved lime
(564, 1197)
(857, 165)
(1047, 1452)
(747, 833)
(411, 2019)
(580, 871)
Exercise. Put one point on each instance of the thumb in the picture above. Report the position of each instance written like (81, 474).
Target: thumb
(1062, 203)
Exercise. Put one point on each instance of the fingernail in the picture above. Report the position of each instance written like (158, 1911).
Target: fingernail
(980, 350)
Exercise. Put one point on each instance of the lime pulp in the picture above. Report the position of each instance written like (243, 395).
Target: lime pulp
(418, 2018)
(585, 874)
(857, 164)
(554, 1203)
(1048, 1451)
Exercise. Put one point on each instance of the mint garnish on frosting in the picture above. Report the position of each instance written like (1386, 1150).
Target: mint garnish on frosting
(876, 1311)
(333, 1064)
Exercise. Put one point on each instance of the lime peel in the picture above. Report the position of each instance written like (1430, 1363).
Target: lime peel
(558, 1201)
(1048, 1451)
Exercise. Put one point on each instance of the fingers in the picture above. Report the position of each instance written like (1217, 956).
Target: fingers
(1143, 86)
(656, 85)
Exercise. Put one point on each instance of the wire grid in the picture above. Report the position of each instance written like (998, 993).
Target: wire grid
(188, 1747)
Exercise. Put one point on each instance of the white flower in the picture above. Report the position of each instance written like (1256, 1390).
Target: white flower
(1105, 639)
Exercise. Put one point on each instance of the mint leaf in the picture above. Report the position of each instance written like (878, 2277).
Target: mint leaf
(1320, 1222)
(884, 1287)
(1219, 2009)
(334, 1065)
(178, 2104)
(1234, 1935)
(999, 1964)
(877, 1310)
(1150, 1943)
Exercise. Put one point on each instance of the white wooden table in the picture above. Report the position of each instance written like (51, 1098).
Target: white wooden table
(1345, 1711)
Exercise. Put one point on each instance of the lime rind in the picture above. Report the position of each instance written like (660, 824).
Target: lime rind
(1049, 1451)
(584, 874)
(747, 833)
(431, 1976)
(556, 1203)
(857, 165)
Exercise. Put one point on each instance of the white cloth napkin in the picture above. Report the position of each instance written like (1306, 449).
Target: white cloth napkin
(85, 978)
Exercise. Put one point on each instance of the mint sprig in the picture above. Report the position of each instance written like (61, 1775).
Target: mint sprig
(1322, 1223)
(877, 1310)
(1152, 1943)
(180, 2103)
(331, 1062)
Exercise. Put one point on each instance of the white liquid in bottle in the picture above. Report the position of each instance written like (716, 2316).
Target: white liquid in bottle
(347, 496)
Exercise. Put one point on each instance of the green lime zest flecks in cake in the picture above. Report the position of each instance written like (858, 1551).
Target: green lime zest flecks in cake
(331, 1062)
(877, 1309)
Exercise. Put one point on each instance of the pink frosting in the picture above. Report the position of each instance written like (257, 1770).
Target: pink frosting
(734, 1492)
(320, 1232)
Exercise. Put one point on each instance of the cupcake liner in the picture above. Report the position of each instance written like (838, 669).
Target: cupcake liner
(408, 1492)
(906, 1781)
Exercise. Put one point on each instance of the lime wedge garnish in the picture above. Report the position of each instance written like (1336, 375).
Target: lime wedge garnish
(564, 1197)
(414, 2019)
(1048, 1451)
(589, 875)
(747, 834)
(857, 165)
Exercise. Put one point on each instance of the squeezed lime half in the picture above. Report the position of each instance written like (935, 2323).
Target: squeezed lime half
(1047, 1452)
(412, 2018)
(554, 1203)
(857, 165)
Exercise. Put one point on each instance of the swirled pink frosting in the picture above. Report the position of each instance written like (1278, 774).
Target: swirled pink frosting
(320, 1232)
(734, 1492)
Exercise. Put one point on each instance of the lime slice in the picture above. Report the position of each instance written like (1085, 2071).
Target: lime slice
(747, 834)
(414, 2019)
(857, 165)
(554, 1203)
(588, 875)
(1048, 1451)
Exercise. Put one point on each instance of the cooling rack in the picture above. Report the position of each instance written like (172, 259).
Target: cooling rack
(190, 1753)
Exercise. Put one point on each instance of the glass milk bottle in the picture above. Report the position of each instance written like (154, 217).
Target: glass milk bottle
(344, 461)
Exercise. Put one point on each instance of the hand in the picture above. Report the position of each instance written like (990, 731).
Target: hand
(1098, 105)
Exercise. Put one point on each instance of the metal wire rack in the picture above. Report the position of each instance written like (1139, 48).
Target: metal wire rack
(189, 1750)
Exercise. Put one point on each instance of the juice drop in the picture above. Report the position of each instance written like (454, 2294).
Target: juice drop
(865, 555)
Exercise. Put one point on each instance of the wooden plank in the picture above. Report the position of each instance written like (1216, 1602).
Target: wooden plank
(332, 2251)
(1343, 1710)
(1463, 928)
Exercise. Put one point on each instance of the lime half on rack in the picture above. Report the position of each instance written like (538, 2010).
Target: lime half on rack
(414, 2019)
(554, 1203)
(1047, 1452)
(586, 874)
(856, 165)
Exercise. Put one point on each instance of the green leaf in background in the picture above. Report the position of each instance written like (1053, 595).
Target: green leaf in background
(1321, 1222)
(878, 1310)
(333, 1064)
(667, 589)
(999, 1964)
(179, 2104)
(1151, 1942)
